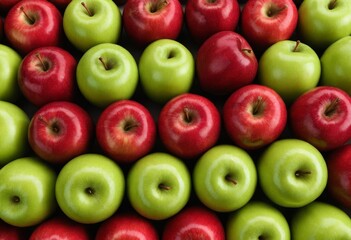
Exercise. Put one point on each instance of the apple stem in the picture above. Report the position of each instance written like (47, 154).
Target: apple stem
(44, 64)
(274, 10)
(296, 46)
(157, 5)
(187, 115)
(30, 19)
(257, 107)
(104, 63)
(300, 173)
(54, 128)
(332, 107)
(247, 50)
(164, 187)
(230, 179)
(332, 4)
(87, 9)
(129, 125)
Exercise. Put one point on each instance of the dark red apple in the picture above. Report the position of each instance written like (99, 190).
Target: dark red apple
(10, 232)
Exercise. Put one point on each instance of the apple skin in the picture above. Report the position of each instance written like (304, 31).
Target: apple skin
(126, 131)
(254, 116)
(194, 222)
(225, 62)
(27, 190)
(321, 117)
(189, 120)
(1, 28)
(10, 232)
(47, 74)
(31, 24)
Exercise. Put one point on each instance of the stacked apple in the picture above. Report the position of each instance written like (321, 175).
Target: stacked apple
(155, 119)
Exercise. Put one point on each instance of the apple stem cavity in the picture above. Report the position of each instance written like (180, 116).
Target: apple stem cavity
(163, 186)
(332, 4)
(90, 191)
(274, 10)
(90, 13)
(258, 106)
(106, 65)
(29, 19)
(247, 50)
(231, 179)
(129, 125)
(302, 173)
(44, 64)
(188, 118)
(296, 46)
(332, 107)
(54, 127)
(16, 199)
(156, 6)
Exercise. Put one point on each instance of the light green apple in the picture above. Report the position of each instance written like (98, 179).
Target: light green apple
(158, 185)
(90, 188)
(224, 178)
(14, 124)
(292, 172)
(106, 73)
(10, 61)
(257, 220)
(166, 69)
(87, 23)
(290, 68)
(322, 221)
(27, 192)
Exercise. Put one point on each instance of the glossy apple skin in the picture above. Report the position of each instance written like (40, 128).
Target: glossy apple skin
(254, 116)
(140, 18)
(126, 131)
(59, 131)
(205, 17)
(48, 74)
(194, 222)
(225, 62)
(26, 36)
(189, 120)
(321, 117)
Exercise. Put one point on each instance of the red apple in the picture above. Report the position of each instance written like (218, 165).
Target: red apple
(145, 21)
(1, 28)
(194, 222)
(254, 116)
(59, 131)
(321, 116)
(126, 131)
(188, 125)
(10, 232)
(6, 5)
(48, 74)
(225, 62)
(207, 17)
(126, 226)
(33, 23)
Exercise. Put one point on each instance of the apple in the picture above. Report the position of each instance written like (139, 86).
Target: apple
(321, 117)
(158, 185)
(27, 192)
(296, 70)
(140, 18)
(1, 28)
(8, 231)
(254, 116)
(90, 188)
(47, 74)
(106, 73)
(265, 22)
(292, 173)
(10, 61)
(31, 24)
(14, 123)
(204, 18)
(225, 62)
(166, 69)
(126, 131)
(322, 22)
(322, 221)
(257, 220)
(194, 222)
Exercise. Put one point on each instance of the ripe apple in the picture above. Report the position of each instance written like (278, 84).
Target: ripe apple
(158, 185)
(225, 62)
(194, 222)
(257, 220)
(296, 70)
(48, 74)
(126, 131)
(106, 73)
(91, 22)
(31, 24)
(146, 21)
(224, 178)
(27, 192)
(254, 116)
(166, 69)
(321, 117)
(292, 173)
(90, 188)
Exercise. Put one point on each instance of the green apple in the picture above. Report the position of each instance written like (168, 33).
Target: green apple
(166, 69)
(87, 23)
(10, 61)
(322, 22)
(224, 178)
(90, 188)
(292, 172)
(322, 221)
(257, 220)
(27, 192)
(158, 185)
(14, 124)
(290, 68)
(106, 73)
